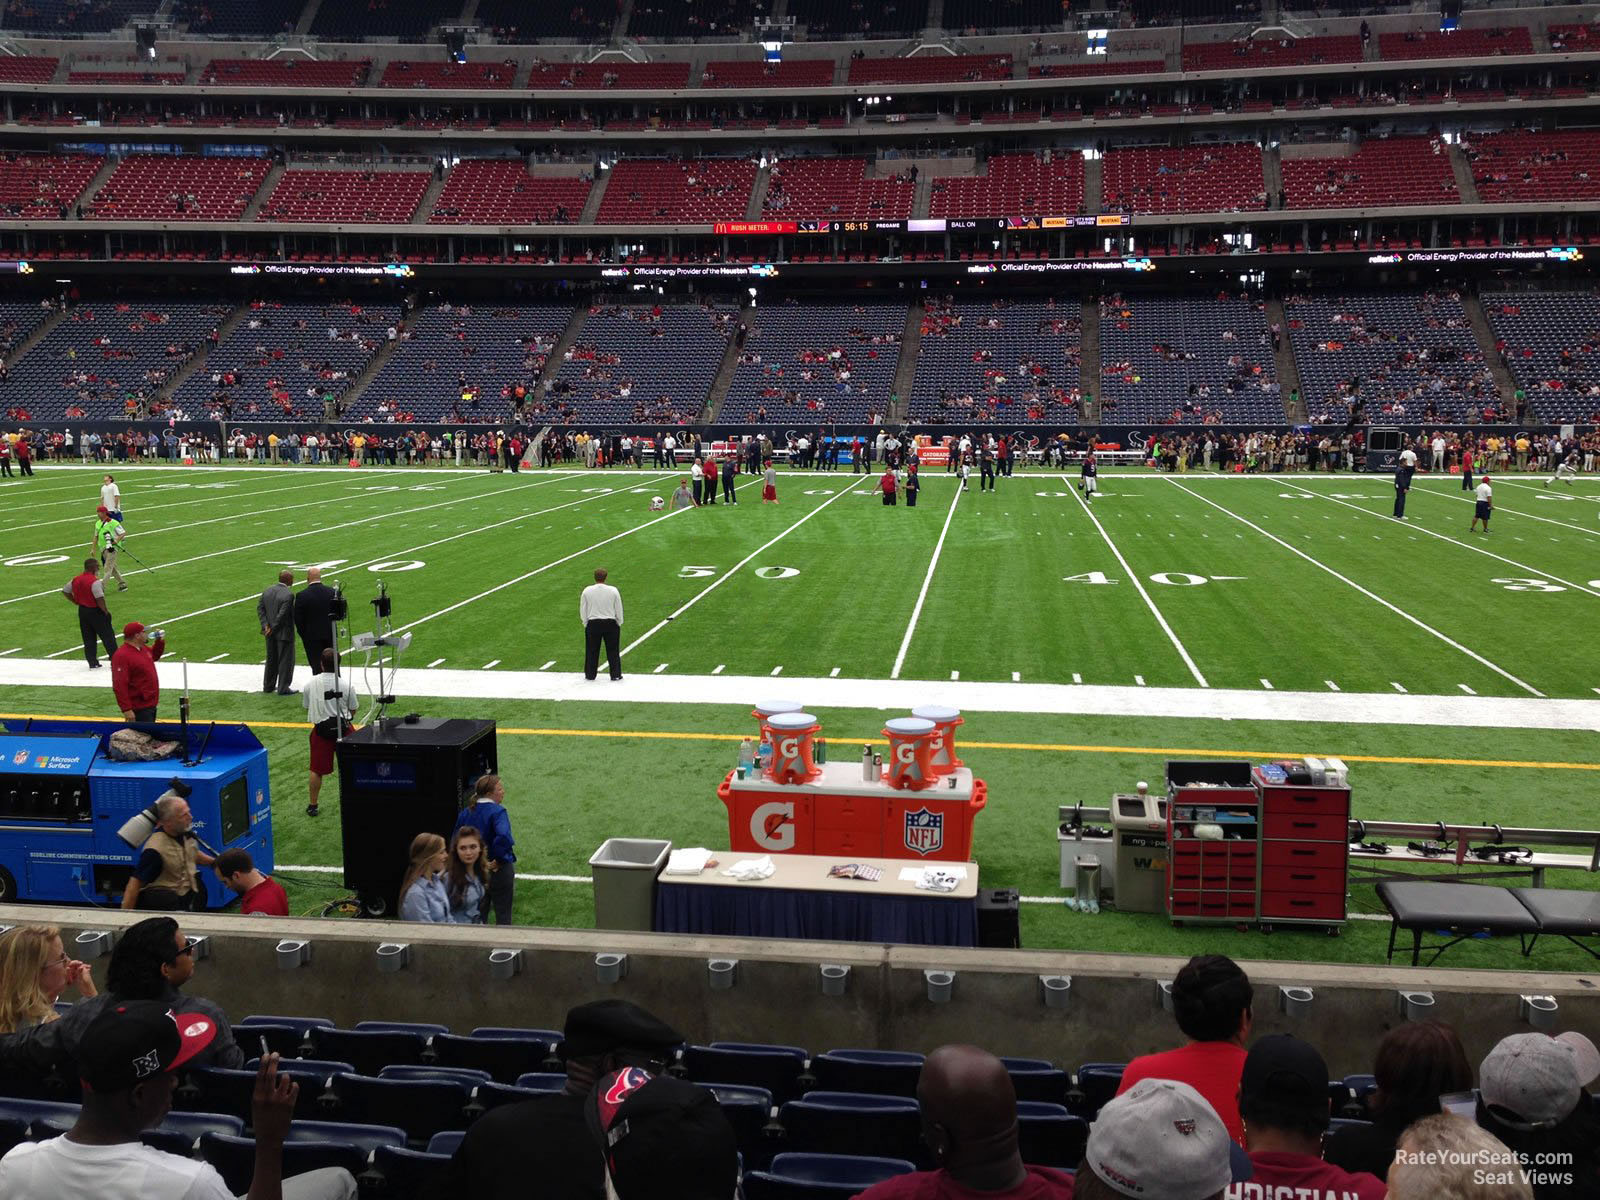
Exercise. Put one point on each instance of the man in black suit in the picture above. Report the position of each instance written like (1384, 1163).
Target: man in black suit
(313, 617)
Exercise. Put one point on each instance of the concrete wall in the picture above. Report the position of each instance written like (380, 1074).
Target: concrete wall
(1114, 1011)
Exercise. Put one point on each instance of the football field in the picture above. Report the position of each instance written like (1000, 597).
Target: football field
(1087, 641)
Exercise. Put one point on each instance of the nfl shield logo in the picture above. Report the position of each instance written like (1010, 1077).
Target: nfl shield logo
(924, 831)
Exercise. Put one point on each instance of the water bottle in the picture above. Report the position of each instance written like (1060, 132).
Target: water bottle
(866, 764)
(764, 753)
(746, 757)
(822, 752)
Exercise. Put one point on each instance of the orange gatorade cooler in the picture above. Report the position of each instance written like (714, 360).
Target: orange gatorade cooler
(910, 759)
(771, 708)
(945, 721)
(792, 734)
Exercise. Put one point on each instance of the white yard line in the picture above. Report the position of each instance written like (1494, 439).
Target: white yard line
(1510, 562)
(1138, 586)
(730, 572)
(1254, 704)
(1371, 595)
(927, 582)
(1497, 480)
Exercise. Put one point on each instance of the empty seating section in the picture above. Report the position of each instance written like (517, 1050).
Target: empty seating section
(284, 72)
(501, 192)
(938, 68)
(840, 187)
(406, 73)
(596, 75)
(384, 197)
(960, 15)
(1184, 361)
(485, 354)
(1397, 352)
(850, 18)
(1401, 170)
(1552, 344)
(283, 363)
(233, 18)
(1540, 167)
(103, 354)
(647, 365)
(17, 321)
(1016, 185)
(27, 70)
(1097, 66)
(692, 18)
(791, 72)
(817, 362)
(118, 78)
(382, 18)
(47, 17)
(1216, 178)
(658, 191)
(516, 21)
(42, 185)
(1271, 52)
(1463, 43)
(1015, 361)
(169, 187)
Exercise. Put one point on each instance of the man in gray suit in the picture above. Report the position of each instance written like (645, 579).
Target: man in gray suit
(275, 611)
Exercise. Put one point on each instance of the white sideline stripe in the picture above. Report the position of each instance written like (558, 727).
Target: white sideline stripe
(1577, 587)
(1371, 595)
(527, 575)
(1183, 653)
(1353, 708)
(355, 566)
(927, 582)
(252, 544)
(729, 573)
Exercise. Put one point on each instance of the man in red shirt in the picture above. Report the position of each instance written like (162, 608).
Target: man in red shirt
(1211, 1000)
(259, 895)
(133, 673)
(94, 618)
(969, 1122)
(1283, 1096)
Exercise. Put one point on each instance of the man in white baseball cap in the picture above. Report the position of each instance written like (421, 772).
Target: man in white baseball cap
(1534, 1081)
(1159, 1140)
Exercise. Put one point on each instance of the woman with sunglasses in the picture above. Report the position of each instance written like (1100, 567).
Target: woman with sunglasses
(34, 970)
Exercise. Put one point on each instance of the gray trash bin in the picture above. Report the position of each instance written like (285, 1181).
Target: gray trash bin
(625, 871)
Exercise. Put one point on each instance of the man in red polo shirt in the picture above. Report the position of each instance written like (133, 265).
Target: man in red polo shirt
(1211, 999)
(94, 618)
(259, 895)
(133, 672)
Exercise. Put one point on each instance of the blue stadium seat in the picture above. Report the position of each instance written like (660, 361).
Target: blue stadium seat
(295, 1022)
(169, 1141)
(235, 1158)
(31, 1111)
(493, 1095)
(775, 1068)
(408, 1174)
(748, 1109)
(422, 1107)
(445, 1143)
(505, 1058)
(450, 1074)
(227, 1091)
(366, 1137)
(882, 1072)
(854, 1123)
(288, 1040)
(191, 1125)
(553, 1036)
(1096, 1082)
(1337, 1123)
(821, 1176)
(422, 1027)
(368, 1050)
(542, 1081)
(1049, 1135)
(1038, 1079)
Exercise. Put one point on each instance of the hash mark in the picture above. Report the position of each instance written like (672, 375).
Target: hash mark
(1397, 687)
(1267, 683)
(1016, 677)
(493, 662)
(436, 662)
(1079, 679)
(717, 670)
(833, 674)
(1139, 679)
(955, 674)
(216, 657)
(659, 669)
(1332, 686)
(546, 667)
(777, 670)
(1466, 689)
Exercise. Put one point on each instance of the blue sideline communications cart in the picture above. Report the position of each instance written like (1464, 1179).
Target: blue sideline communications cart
(62, 801)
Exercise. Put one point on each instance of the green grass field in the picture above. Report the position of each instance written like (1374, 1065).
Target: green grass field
(1281, 597)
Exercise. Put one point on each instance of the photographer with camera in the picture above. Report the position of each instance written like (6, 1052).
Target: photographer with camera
(133, 672)
(166, 876)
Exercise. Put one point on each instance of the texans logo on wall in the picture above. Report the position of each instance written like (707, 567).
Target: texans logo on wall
(924, 831)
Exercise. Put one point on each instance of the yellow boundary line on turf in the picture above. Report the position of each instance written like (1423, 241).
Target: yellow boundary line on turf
(1049, 747)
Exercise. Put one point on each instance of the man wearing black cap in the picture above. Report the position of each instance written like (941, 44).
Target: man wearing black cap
(126, 1060)
(1283, 1098)
(546, 1141)
(661, 1138)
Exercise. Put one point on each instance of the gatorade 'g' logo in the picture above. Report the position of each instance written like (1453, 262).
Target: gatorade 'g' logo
(789, 747)
(905, 754)
(772, 825)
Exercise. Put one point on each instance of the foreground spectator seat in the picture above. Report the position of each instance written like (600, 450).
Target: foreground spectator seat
(884, 1072)
(798, 1176)
(506, 1059)
(369, 1050)
(775, 1069)
(421, 1107)
(854, 1123)
(234, 1157)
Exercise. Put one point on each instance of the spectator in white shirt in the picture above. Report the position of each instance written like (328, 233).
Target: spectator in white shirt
(600, 610)
(111, 497)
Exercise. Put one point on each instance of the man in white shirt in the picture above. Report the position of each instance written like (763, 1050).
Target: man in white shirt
(329, 716)
(670, 445)
(1484, 506)
(1408, 456)
(127, 1057)
(698, 474)
(111, 498)
(1436, 463)
(600, 610)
